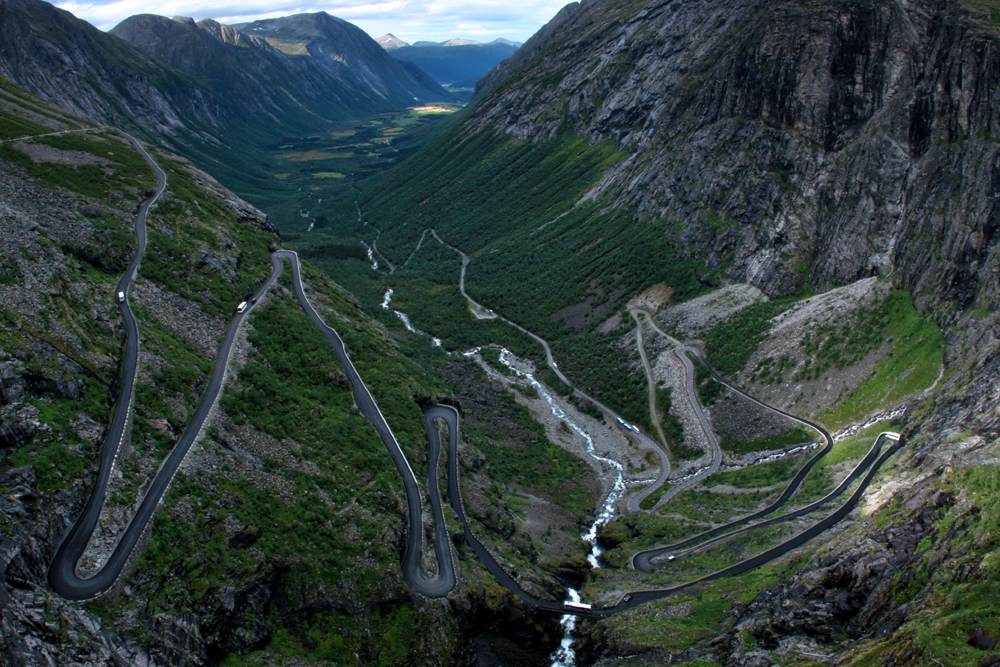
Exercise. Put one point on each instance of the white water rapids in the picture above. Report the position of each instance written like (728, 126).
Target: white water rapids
(403, 317)
(617, 490)
(374, 262)
(565, 656)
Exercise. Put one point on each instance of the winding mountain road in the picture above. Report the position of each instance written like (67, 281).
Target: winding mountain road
(645, 560)
(62, 572)
(66, 582)
(645, 441)
(444, 581)
(650, 382)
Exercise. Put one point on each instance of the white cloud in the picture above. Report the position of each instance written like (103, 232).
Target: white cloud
(410, 20)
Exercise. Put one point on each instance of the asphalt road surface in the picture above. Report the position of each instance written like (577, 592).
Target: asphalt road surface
(444, 581)
(62, 572)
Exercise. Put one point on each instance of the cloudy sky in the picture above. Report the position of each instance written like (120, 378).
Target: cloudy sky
(410, 20)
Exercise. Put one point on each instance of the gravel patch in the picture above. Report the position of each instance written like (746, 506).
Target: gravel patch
(40, 152)
(838, 306)
(693, 318)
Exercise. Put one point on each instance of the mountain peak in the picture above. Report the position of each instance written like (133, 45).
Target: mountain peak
(227, 34)
(389, 42)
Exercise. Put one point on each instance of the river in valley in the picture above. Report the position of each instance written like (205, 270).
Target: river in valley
(565, 655)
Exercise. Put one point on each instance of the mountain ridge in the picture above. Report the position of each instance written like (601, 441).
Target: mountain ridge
(217, 87)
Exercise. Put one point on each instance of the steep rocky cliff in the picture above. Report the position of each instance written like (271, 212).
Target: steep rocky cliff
(834, 140)
(795, 147)
(348, 54)
(70, 63)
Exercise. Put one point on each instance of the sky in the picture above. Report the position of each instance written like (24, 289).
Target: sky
(409, 20)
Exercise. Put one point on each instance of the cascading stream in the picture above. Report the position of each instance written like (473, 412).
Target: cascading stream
(404, 318)
(617, 490)
(565, 656)
(371, 259)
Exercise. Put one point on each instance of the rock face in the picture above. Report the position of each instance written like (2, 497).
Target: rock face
(70, 63)
(348, 74)
(350, 56)
(872, 125)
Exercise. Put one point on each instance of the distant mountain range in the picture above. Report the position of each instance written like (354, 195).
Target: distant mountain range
(196, 87)
(456, 63)
(389, 42)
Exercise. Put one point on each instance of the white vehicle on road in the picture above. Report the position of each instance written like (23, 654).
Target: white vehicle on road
(242, 307)
(121, 297)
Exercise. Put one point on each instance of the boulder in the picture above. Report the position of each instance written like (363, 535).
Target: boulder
(18, 424)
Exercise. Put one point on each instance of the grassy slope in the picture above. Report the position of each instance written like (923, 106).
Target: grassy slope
(954, 585)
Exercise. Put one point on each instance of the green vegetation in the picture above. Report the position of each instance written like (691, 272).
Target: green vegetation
(18, 107)
(953, 580)
(129, 174)
(310, 178)
(673, 428)
(176, 382)
(58, 463)
(912, 364)
(537, 464)
(542, 466)
(575, 253)
(707, 386)
(840, 345)
(443, 312)
(732, 342)
(770, 371)
(601, 368)
(551, 175)
(281, 395)
(985, 13)
(300, 510)
(391, 637)
(194, 236)
(682, 620)
(822, 479)
(794, 436)
(764, 474)
(13, 126)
